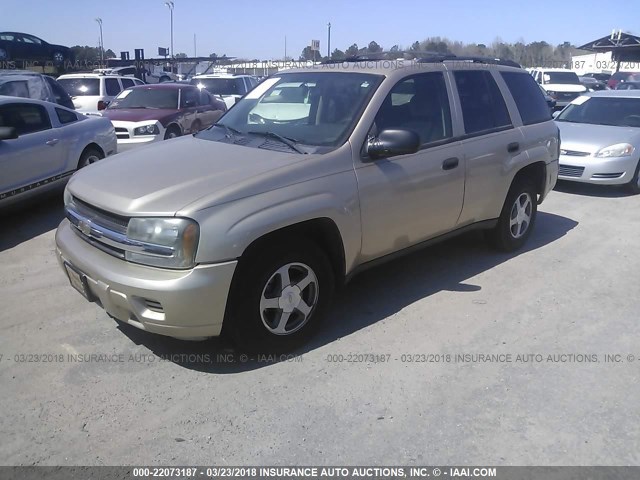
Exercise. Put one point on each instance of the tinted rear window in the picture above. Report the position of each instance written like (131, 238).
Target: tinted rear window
(81, 86)
(220, 86)
(483, 107)
(528, 97)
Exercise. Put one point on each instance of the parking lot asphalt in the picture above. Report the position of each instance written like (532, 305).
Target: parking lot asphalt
(77, 388)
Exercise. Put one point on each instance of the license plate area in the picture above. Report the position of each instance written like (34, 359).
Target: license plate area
(78, 281)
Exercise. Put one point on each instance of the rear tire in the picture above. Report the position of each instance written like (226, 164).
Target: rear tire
(517, 218)
(89, 156)
(58, 58)
(279, 296)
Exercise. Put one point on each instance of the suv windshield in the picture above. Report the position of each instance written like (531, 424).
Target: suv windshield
(561, 77)
(143, 97)
(220, 86)
(311, 108)
(614, 111)
(76, 87)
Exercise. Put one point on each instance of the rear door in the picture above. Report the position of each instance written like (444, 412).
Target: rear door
(38, 154)
(410, 198)
(491, 143)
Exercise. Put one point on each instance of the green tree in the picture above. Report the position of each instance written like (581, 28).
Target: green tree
(352, 51)
(181, 55)
(373, 47)
(308, 54)
(337, 55)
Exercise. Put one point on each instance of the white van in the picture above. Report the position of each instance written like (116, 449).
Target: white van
(91, 92)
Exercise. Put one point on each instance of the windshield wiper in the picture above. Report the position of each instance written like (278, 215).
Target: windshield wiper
(289, 142)
(230, 130)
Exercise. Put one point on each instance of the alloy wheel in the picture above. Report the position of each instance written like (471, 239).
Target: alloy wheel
(520, 217)
(289, 298)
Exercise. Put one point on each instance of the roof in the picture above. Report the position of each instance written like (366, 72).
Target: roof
(221, 75)
(164, 86)
(623, 46)
(616, 93)
(542, 69)
(91, 75)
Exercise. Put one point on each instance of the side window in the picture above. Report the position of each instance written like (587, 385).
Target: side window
(138, 82)
(127, 82)
(24, 117)
(204, 98)
(242, 88)
(483, 107)
(528, 97)
(419, 103)
(65, 116)
(15, 89)
(60, 94)
(112, 86)
(189, 98)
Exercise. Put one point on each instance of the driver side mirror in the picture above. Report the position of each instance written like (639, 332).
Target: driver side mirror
(392, 142)
(8, 133)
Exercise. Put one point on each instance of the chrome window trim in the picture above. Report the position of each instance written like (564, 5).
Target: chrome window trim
(115, 239)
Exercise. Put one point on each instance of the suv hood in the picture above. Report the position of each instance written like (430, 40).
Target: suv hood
(164, 178)
(137, 114)
(584, 137)
(564, 87)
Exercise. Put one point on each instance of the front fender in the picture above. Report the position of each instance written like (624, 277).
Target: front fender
(227, 230)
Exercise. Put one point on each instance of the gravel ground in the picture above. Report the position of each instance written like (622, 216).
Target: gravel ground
(109, 394)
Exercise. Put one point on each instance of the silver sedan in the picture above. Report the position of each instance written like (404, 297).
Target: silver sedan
(42, 144)
(600, 139)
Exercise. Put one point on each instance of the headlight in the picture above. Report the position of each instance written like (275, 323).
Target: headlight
(67, 197)
(147, 130)
(617, 150)
(552, 94)
(163, 242)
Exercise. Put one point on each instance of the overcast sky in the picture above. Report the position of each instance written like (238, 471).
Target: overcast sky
(257, 29)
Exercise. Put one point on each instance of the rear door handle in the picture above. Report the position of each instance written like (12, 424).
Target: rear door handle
(513, 147)
(450, 163)
(53, 142)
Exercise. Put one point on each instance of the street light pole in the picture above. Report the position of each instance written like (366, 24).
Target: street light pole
(99, 20)
(329, 41)
(170, 5)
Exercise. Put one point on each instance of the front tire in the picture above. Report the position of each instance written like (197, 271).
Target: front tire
(58, 58)
(280, 294)
(517, 218)
(172, 132)
(633, 186)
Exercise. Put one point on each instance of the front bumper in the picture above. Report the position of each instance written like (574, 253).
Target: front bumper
(603, 171)
(183, 304)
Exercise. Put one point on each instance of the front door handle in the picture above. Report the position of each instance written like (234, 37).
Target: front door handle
(513, 147)
(53, 142)
(450, 163)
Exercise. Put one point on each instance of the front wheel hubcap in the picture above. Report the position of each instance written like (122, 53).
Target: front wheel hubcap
(289, 298)
(520, 217)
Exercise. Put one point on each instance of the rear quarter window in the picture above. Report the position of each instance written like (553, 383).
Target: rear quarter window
(528, 97)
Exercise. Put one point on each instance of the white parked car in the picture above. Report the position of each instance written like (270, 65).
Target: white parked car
(92, 92)
(560, 84)
(230, 87)
(42, 144)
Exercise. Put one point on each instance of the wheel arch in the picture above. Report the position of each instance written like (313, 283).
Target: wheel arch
(91, 146)
(536, 171)
(322, 230)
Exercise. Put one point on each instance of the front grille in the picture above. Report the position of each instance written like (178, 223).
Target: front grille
(122, 132)
(101, 217)
(566, 96)
(570, 171)
(574, 153)
(607, 175)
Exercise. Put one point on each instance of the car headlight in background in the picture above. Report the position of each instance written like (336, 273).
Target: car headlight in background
(147, 130)
(617, 150)
(552, 94)
(166, 242)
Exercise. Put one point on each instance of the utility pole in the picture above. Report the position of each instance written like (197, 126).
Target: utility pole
(195, 49)
(170, 5)
(285, 48)
(329, 41)
(99, 20)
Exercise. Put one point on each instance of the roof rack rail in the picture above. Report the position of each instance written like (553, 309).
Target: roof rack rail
(448, 57)
(372, 57)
